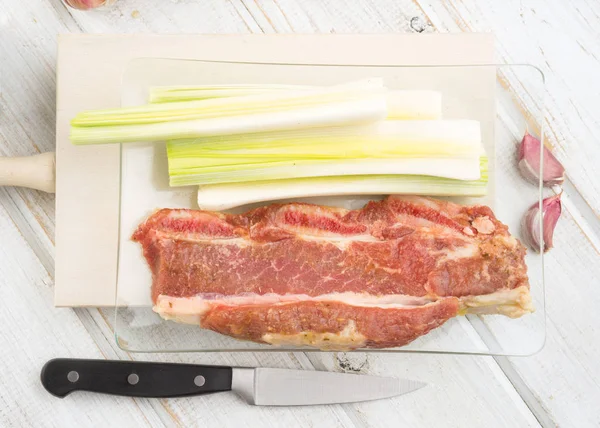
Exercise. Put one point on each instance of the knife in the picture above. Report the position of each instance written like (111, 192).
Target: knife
(258, 386)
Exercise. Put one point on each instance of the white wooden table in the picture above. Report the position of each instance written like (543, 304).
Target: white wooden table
(558, 386)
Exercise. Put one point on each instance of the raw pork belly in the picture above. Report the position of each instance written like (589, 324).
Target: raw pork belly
(308, 275)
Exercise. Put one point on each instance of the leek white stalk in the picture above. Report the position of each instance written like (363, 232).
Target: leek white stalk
(449, 149)
(458, 169)
(217, 197)
(402, 104)
(226, 116)
(387, 138)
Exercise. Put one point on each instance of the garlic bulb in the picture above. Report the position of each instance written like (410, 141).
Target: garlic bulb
(530, 224)
(529, 163)
(88, 4)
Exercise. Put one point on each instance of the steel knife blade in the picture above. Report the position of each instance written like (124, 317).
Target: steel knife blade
(258, 386)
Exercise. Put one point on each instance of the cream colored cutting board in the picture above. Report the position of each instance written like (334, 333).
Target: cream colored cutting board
(89, 76)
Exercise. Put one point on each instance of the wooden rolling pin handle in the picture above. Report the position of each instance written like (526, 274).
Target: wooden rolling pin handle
(35, 172)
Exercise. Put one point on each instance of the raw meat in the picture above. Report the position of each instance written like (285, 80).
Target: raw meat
(302, 274)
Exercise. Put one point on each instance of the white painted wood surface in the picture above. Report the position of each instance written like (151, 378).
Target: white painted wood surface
(558, 386)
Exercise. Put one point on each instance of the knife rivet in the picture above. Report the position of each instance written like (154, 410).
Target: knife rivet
(133, 379)
(199, 380)
(73, 376)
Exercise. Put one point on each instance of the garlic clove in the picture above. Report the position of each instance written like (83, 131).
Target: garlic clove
(87, 4)
(529, 163)
(530, 224)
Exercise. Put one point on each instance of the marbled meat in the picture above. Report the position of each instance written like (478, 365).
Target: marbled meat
(308, 275)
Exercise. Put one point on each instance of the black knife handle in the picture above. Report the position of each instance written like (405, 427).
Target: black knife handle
(62, 376)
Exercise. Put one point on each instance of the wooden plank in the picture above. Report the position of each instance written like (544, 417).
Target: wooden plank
(565, 375)
(33, 332)
(562, 379)
(218, 409)
(27, 105)
(489, 401)
(540, 34)
(560, 38)
(498, 403)
(90, 409)
(187, 413)
(504, 399)
(34, 313)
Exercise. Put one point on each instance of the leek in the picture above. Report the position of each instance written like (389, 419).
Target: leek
(217, 197)
(362, 102)
(445, 148)
(382, 139)
(402, 104)
(459, 169)
(165, 94)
